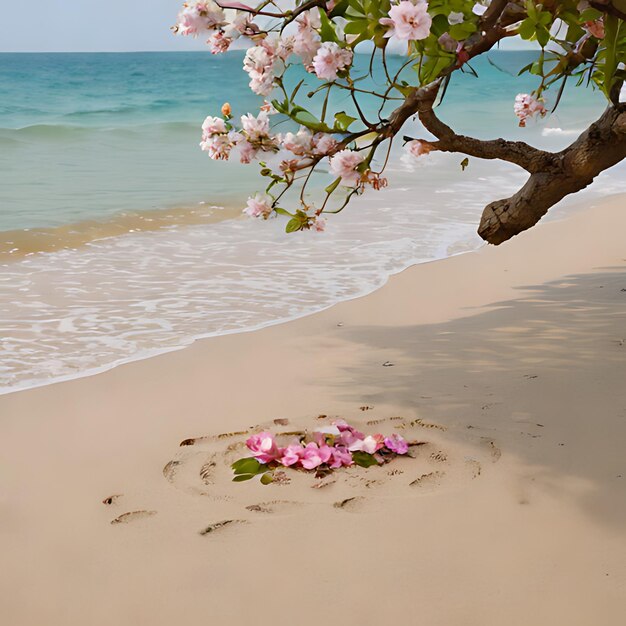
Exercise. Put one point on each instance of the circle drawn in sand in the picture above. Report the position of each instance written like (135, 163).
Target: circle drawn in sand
(202, 468)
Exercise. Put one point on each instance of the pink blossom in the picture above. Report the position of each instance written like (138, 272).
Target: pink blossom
(247, 151)
(219, 146)
(256, 128)
(370, 444)
(341, 456)
(259, 63)
(323, 143)
(300, 143)
(344, 164)
(314, 455)
(318, 224)
(263, 447)
(213, 125)
(218, 43)
(330, 59)
(408, 21)
(292, 455)
(528, 106)
(259, 206)
(397, 444)
(418, 148)
(199, 16)
(595, 28)
(307, 40)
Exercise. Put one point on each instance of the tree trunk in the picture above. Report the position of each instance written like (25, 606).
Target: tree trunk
(600, 147)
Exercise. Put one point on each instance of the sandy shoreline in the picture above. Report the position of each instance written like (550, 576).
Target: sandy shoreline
(516, 353)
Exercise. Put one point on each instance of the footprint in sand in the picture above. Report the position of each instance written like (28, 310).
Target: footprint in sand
(352, 505)
(274, 506)
(435, 464)
(493, 449)
(132, 516)
(217, 526)
(428, 482)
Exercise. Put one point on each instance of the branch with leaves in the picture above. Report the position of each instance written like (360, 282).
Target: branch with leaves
(581, 41)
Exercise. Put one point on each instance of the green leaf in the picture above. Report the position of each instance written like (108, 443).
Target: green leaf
(543, 36)
(327, 31)
(363, 459)
(464, 163)
(526, 29)
(356, 27)
(267, 478)
(333, 186)
(241, 477)
(343, 120)
(248, 465)
(283, 212)
(293, 225)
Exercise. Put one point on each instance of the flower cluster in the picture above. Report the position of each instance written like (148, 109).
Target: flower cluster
(331, 447)
(408, 20)
(199, 16)
(527, 106)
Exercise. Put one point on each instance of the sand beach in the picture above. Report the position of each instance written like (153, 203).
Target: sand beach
(506, 364)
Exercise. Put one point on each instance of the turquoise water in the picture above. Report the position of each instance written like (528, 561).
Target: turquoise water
(87, 137)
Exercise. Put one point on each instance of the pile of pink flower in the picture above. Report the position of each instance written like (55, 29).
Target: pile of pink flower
(332, 447)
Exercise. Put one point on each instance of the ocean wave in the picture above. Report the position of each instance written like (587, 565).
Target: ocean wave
(121, 110)
(68, 131)
(549, 132)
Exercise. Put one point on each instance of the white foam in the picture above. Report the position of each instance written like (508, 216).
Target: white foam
(73, 313)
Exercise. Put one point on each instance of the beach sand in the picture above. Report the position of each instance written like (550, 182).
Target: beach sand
(507, 363)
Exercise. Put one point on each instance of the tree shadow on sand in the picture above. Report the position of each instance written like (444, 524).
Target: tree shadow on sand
(544, 374)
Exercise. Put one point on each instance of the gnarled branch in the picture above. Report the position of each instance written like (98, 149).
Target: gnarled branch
(600, 147)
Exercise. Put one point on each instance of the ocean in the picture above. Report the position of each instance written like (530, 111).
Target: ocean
(120, 239)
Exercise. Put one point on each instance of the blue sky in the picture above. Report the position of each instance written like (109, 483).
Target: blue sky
(92, 26)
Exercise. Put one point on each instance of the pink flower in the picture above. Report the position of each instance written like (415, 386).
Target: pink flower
(213, 126)
(247, 151)
(408, 21)
(300, 143)
(218, 43)
(314, 455)
(256, 127)
(397, 444)
(307, 41)
(220, 146)
(344, 164)
(259, 206)
(318, 224)
(341, 456)
(330, 59)
(264, 448)
(370, 444)
(323, 143)
(418, 148)
(259, 63)
(292, 455)
(199, 16)
(527, 106)
(595, 28)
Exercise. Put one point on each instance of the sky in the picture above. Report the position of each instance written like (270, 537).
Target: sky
(94, 26)
(91, 26)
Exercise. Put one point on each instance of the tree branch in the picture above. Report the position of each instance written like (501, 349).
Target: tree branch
(600, 147)
(606, 6)
(518, 152)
